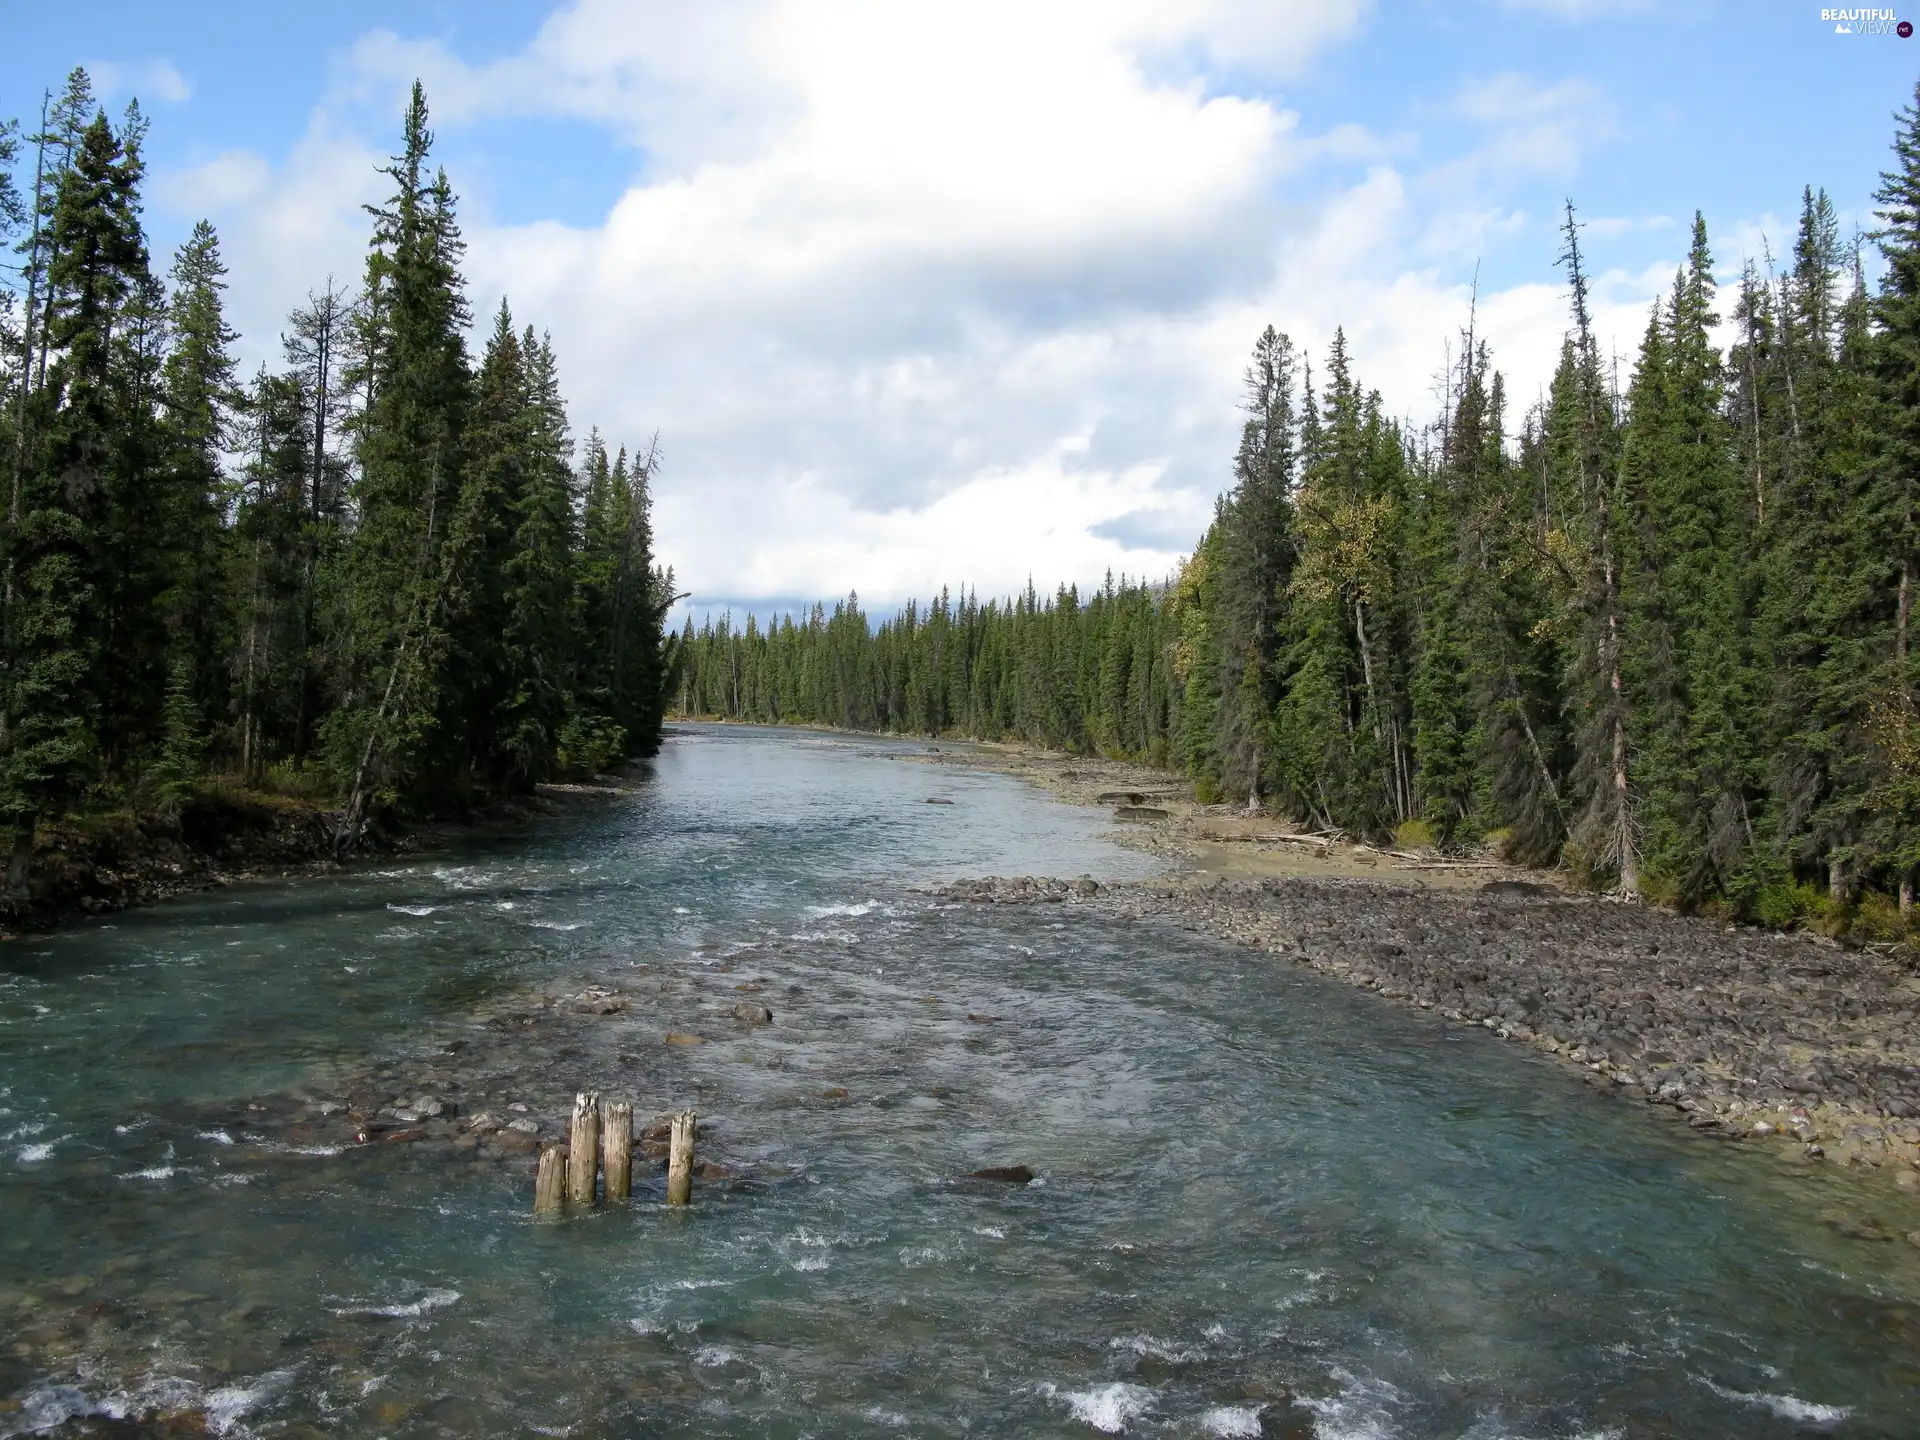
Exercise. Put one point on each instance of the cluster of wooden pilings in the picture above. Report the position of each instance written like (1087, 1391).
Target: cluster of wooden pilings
(595, 1166)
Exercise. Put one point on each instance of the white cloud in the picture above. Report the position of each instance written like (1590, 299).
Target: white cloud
(938, 293)
(216, 186)
(147, 80)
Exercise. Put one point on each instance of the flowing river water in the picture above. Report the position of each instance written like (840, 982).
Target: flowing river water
(1263, 1203)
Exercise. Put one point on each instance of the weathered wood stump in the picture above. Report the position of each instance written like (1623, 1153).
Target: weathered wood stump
(585, 1149)
(550, 1185)
(616, 1149)
(680, 1160)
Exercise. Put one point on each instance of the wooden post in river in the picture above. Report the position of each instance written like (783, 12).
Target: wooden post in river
(585, 1149)
(550, 1187)
(616, 1149)
(680, 1160)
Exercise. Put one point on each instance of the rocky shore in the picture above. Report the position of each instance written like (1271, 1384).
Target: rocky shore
(1789, 1040)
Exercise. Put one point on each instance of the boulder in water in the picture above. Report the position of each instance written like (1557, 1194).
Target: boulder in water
(1008, 1174)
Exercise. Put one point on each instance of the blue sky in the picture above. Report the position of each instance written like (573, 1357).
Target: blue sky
(918, 294)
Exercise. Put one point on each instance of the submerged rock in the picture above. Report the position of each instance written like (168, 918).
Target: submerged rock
(1009, 1174)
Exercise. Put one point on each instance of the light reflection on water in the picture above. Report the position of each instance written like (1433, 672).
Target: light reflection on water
(1262, 1199)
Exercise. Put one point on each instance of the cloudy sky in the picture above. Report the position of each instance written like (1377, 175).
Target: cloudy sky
(923, 291)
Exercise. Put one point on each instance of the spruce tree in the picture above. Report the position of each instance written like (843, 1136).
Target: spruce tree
(402, 572)
(61, 546)
(197, 389)
(1256, 562)
(1581, 447)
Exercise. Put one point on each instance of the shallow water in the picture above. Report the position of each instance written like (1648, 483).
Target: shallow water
(1263, 1199)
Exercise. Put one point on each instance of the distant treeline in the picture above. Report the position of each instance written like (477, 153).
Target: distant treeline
(1659, 634)
(1093, 675)
(372, 575)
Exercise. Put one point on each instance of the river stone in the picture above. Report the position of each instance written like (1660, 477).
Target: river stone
(1010, 1174)
(752, 1014)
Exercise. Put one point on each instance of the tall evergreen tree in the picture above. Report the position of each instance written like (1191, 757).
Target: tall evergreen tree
(62, 541)
(402, 570)
(1256, 563)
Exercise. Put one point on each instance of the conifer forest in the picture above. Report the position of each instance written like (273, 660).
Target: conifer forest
(375, 573)
(1654, 628)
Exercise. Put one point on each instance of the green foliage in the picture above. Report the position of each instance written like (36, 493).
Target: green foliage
(177, 770)
(1415, 835)
(361, 576)
(1786, 906)
(589, 745)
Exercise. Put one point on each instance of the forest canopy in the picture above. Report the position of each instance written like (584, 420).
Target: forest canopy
(373, 573)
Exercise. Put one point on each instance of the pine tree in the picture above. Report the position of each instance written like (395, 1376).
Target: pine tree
(1684, 549)
(401, 570)
(1887, 504)
(65, 597)
(1581, 446)
(1256, 563)
(197, 390)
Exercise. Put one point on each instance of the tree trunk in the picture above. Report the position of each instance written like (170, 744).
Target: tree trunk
(1616, 686)
(1366, 664)
(20, 863)
(357, 795)
(1902, 617)
(1906, 893)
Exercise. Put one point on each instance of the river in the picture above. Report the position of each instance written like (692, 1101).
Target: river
(1263, 1203)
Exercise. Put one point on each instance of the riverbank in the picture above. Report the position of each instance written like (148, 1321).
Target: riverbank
(1790, 1040)
(101, 863)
